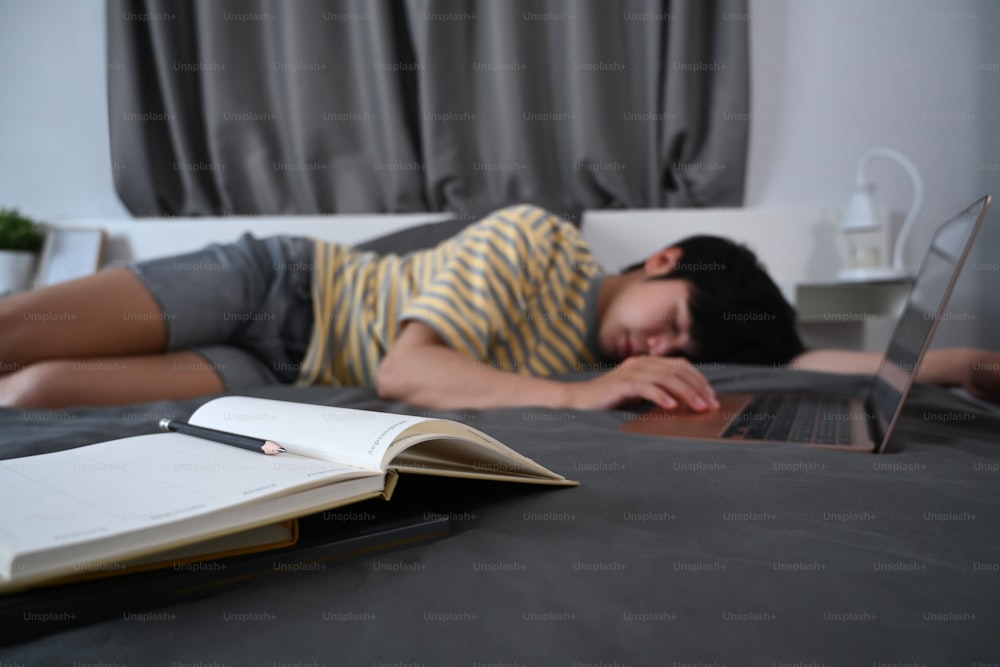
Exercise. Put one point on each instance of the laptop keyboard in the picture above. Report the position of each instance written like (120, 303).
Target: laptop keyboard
(812, 419)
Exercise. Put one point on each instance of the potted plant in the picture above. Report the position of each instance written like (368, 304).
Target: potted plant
(20, 240)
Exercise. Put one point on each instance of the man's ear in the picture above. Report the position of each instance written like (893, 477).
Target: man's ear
(663, 262)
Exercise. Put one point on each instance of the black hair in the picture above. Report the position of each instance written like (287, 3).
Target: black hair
(738, 314)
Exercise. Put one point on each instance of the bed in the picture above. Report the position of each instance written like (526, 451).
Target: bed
(670, 552)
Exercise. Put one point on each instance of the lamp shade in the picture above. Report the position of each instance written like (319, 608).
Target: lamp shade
(859, 211)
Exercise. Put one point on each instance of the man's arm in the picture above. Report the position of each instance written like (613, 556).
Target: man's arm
(421, 369)
(977, 371)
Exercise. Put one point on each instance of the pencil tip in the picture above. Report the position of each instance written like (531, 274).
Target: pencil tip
(270, 447)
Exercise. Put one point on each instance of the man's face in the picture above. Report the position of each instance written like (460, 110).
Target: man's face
(648, 317)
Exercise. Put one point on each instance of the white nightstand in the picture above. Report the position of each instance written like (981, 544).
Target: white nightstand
(849, 315)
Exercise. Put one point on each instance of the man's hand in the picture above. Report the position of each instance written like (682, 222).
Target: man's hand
(669, 382)
(975, 370)
(982, 374)
(420, 369)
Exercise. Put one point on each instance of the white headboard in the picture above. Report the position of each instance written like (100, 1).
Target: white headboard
(795, 246)
(145, 238)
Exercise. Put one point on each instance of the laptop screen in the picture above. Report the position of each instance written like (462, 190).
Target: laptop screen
(923, 310)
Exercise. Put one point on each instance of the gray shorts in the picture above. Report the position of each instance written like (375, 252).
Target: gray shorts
(245, 307)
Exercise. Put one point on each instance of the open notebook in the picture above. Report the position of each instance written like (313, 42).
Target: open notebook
(109, 504)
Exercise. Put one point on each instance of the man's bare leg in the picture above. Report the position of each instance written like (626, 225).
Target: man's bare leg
(93, 341)
(110, 381)
(110, 313)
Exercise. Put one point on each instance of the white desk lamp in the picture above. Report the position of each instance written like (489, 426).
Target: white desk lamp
(859, 221)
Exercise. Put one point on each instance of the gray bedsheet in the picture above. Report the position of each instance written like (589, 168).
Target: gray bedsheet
(669, 553)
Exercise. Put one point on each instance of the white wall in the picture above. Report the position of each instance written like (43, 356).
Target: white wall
(834, 79)
(54, 160)
(830, 80)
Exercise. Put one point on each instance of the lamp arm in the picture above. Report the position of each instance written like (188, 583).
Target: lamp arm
(918, 195)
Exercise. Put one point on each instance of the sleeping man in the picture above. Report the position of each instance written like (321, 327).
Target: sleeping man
(496, 316)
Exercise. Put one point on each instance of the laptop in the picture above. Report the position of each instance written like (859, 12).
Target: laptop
(859, 423)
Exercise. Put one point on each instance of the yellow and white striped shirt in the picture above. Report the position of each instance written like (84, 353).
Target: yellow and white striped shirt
(510, 290)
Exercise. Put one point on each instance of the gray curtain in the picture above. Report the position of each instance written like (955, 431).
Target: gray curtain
(254, 106)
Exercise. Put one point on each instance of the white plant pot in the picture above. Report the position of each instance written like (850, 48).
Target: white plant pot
(17, 270)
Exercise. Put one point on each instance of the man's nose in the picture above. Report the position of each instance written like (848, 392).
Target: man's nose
(659, 345)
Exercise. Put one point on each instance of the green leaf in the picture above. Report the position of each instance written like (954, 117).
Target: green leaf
(18, 232)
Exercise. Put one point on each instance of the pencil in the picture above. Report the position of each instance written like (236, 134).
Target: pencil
(232, 439)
